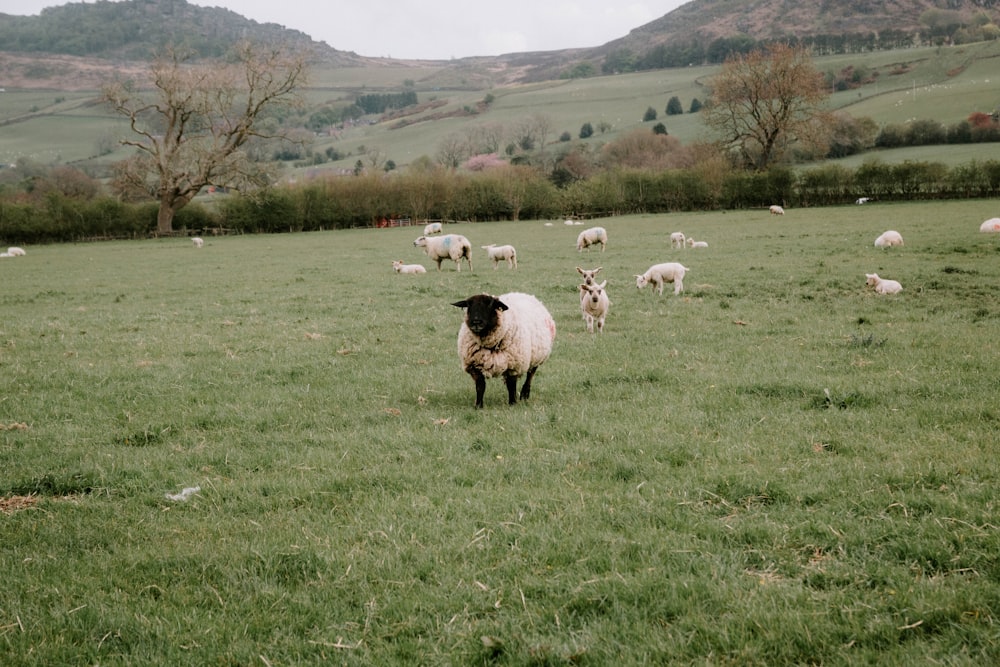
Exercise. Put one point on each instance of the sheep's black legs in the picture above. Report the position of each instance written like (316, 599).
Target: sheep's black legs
(526, 387)
(511, 381)
(480, 381)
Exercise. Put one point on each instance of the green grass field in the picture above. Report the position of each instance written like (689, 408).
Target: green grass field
(777, 467)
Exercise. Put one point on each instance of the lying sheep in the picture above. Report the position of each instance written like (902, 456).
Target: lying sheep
(14, 251)
(589, 274)
(691, 243)
(449, 246)
(668, 272)
(198, 242)
(399, 267)
(888, 239)
(677, 240)
(592, 236)
(510, 335)
(991, 225)
(594, 304)
(432, 228)
(501, 253)
(776, 210)
(882, 285)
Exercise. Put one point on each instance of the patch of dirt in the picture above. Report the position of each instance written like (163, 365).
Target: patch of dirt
(17, 503)
(59, 72)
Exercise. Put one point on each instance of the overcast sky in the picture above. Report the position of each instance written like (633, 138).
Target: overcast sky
(439, 29)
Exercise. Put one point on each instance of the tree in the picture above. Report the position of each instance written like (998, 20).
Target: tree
(674, 106)
(649, 115)
(586, 131)
(695, 106)
(194, 127)
(765, 101)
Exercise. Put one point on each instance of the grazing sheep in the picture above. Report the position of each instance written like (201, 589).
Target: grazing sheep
(501, 253)
(991, 225)
(863, 200)
(589, 274)
(677, 240)
(691, 243)
(668, 272)
(432, 228)
(594, 304)
(198, 242)
(776, 210)
(510, 335)
(882, 285)
(888, 239)
(592, 236)
(399, 267)
(449, 246)
(14, 251)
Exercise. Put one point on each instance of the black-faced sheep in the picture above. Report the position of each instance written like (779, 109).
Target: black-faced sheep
(508, 335)
(450, 246)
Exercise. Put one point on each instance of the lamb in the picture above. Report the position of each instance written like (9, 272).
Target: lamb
(449, 246)
(399, 267)
(882, 285)
(501, 253)
(592, 236)
(432, 228)
(508, 335)
(594, 304)
(14, 251)
(691, 243)
(888, 239)
(677, 240)
(991, 225)
(668, 272)
(776, 210)
(198, 242)
(589, 274)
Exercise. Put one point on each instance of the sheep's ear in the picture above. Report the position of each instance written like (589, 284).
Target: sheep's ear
(597, 270)
(499, 305)
(579, 270)
(461, 304)
(603, 284)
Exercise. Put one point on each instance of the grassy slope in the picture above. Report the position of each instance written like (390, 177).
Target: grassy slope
(777, 467)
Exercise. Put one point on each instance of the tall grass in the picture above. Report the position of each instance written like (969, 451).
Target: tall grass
(778, 467)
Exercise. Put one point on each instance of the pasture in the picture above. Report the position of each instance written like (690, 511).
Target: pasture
(777, 467)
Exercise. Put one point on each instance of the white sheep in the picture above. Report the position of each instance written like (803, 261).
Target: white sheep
(589, 275)
(198, 242)
(888, 239)
(991, 225)
(399, 267)
(594, 304)
(882, 285)
(863, 200)
(568, 223)
(677, 240)
(449, 246)
(776, 210)
(14, 251)
(592, 236)
(668, 272)
(501, 253)
(432, 228)
(5, 254)
(691, 243)
(508, 335)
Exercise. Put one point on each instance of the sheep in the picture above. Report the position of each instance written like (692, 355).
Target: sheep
(888, 239)
(882, 285)
(432, 228)
(668, 272)
(449, 246)
(589, 274)
(991, 225)
(501, 253)
(594, 304)
(508, 335)
(863, 200)
(776, 210)
(592, 236)
(5, 254)
(677, 240)
(691, 243)
(198, 242)
(568, 223)
(14, 251)
(399, 267)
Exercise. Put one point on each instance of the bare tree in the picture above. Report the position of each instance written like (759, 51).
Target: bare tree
(764, 101)
(192, 128)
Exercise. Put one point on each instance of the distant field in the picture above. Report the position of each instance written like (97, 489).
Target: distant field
(776, 467)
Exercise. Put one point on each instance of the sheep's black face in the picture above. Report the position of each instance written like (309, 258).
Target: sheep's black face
(481, 313)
